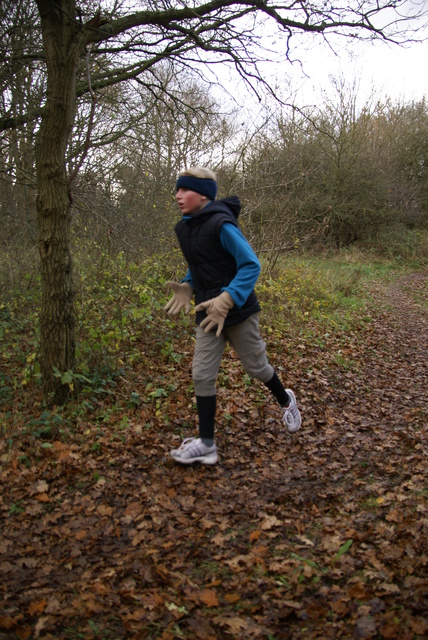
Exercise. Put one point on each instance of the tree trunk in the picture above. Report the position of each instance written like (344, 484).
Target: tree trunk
(57, 316)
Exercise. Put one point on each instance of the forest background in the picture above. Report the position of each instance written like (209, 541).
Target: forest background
(315, 181)
(102, 106)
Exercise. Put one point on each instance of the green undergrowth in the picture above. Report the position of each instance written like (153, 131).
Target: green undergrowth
(322, 293)
(129, 352)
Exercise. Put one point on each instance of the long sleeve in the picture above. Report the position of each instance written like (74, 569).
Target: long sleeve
(188, 278)
(247, 263)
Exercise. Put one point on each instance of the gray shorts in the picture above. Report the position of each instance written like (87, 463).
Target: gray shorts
(246, 340)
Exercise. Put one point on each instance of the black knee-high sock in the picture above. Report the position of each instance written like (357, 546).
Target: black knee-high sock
(277, 388)
(206, 412)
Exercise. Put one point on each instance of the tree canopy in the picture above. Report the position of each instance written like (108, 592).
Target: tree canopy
(129, 43)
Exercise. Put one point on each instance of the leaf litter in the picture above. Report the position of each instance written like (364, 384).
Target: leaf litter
(320, 534)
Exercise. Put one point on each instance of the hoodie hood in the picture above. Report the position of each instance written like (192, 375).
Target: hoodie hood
(231, 204)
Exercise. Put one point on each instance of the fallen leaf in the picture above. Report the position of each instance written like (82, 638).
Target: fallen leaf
(209, 598)
(232, 597)
(292, 604)
(365, 627)
(235, 625)
(37, 607)
(8, 623)
(254, 535)
(80, 535)
(41, 486)
(269, 522)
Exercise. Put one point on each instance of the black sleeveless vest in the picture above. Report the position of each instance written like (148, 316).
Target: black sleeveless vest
(212, 267)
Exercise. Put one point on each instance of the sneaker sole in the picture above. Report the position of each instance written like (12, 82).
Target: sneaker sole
(295, 430)
(210, 459)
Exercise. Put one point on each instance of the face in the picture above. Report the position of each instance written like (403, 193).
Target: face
(190, 201)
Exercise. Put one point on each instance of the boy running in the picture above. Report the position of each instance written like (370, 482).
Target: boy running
(223, 270)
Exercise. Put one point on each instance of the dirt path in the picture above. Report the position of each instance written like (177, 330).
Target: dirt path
(322, 534)
(403, 336)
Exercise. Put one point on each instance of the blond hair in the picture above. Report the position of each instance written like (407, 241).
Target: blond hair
(199, 172)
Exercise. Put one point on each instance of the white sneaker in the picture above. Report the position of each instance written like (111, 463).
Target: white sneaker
(292, 418)
(194, 450)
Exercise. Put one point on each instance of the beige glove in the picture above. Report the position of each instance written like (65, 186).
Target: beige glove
(183, 294)
(216, 310)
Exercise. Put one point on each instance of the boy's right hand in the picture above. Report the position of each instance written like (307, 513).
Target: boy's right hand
(182, 297)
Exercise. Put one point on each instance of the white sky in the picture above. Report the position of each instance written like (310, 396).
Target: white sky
(395, 72)
(382, 70)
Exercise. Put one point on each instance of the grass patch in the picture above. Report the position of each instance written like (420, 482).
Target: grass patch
(326, 292)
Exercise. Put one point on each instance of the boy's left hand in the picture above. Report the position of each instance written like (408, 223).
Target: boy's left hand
(216, 310)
